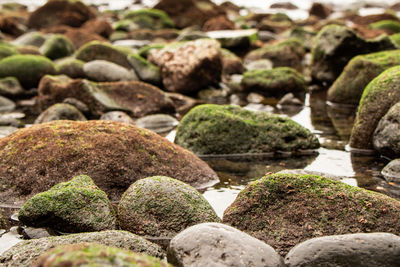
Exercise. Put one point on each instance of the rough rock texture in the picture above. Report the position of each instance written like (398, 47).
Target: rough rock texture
(221, 245)
(162, 207)
(27, 252)
(378, 97)
(391, 171)
(349, 86)
(335, 46)
(369, 250)
(71, 207)
(89, 254)
(114, 154)
(138, 98)
(60, 111)
(213, 129)
(57, 46)
(189, 67)
(286, 209)
(105, 71)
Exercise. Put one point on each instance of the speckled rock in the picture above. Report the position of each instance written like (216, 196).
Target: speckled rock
(60, 111)
(105, 71)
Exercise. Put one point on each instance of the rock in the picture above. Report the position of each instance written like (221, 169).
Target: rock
(98, 26)
(335, 46)
(28, 50)
(234, 38)
(261, 64)
(7, 50)
(275, 82)
(395, 38)
(138, 98)
(182, 103)
(289, 53)
(57, 46)
(34, 38)
(71, 67)
(320, 10)
(284, 5)
(154, 19)
(221, 245)
(34, 233)
(114, 154)
(60, 12)
(92, 254)
(213, 96)
(286, 209)
(28, 69)
(146, 71)
(117, 116)
(391, 26)
(26, 253)
(12, 119)
(305, 35)
(391, 171)
(290, 100)
(231, 64)
(6, 105)
(159, 123)
(235, 130)
(105, 71)
(378, 97)
(361, 70)
(161, 207)
(12, 25)
(7, 130)
(373, 249)
(190, 67)
(218, 23)
(60, 111)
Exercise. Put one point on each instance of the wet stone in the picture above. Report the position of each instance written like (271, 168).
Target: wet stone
(7, 130)
(6, 105)
(104, 71)
(34, 233)
(117, 116)
(159, 123)
(391, 171)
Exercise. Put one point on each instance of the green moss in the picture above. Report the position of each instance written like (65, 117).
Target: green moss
(395, 38)
(149, 18)
(71, 67)
(146, 71)
(391, 25)
(57, 46)
(144, 51)
(7, 50)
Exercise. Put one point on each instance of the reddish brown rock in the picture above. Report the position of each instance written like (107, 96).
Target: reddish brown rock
(98, 26)
(320, 10)
(218, 23)
(366, 20)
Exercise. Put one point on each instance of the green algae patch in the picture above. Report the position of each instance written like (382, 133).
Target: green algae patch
(71, 67)
(390, 25)
(213, 129)
(286, 209)
(7, 50)
(57, 46)
(154, 19)
(146, 71)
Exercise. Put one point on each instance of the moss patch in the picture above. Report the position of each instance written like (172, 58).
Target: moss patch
(154, 19)
(390, 25)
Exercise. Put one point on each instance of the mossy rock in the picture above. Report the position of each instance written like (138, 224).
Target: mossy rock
(10, 87)
(213, 129)
(7, 50)
(91, 254)
(395, 38)
(74, 206)
(304, 34)
(286, 209)
(57, 46)
(378, 97)
(144, 51)
(390, 25)
(100, 50)
(349, 86)
(71, 67)
(154, 19)
(335, 46)
(25, 253)
(114, 154)
(162, 207)
(146, 71)
(34, 38)
(28, 69)
(275, 82)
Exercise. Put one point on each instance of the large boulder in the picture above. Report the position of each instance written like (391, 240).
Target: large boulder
(114, 154)
(27, 252)
(349, 86)
(161, 207)
(189, 67)
(213, 129)
(221, 245)
(378, 97)
(286, 209)
(74, 206)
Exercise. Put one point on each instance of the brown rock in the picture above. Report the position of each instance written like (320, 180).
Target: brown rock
(98, 26)
(366, 20)
(284, 5)
(320, 10)
(11, 25)
(218, 23)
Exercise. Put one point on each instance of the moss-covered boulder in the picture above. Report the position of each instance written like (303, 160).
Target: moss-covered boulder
(57, 46)
(286, 209)
(335, 46)
(146, 71)
(275, 82)
(114, 154)
(154, 19)
(90, 254)
(162, 207)
(349, 86)
(27, 252)
(378, 97)
(213, 129)
(392, 26)
(28, 69)
(71, 67)
(60, 111)
(7, 50)
(74, 206)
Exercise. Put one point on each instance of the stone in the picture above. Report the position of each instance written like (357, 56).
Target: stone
(60, 111)
(7, 50)
(99, 26)
(161, 207)
(284, 5)
(286, 209)
(183, 104)
(114, 154)
(95, 255)
(57, 46)
(361, 70)
(290, 100)
(10, 87)
(234, 38)
(213, 96)
(6, 105)
(27, 252)
(71, 67)
(34, 38)
(372, 249)
(218, 23)
(391, 172)
(7, 130)
(378, 97)
(117, 116)
(391, 26)
(261, 64)
(154, 19)
(320, 10)
(159, 123)
(231, 63)
(335, 46)
(145, 70)
(189, 67)
(221, 245)
(105, 71)
(213, 129)
(34, 233)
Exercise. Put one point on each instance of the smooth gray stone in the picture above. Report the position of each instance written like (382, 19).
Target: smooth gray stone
(159, 123)
(105, 71)
(117, 116)
(391, 171)
(6, 104)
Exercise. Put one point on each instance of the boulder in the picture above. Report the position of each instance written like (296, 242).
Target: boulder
(161, 207)
(286, 209)
(221, 245)
(349, 86)
(213, 129)
(114, 154)
(74, 206)
(218, 23)
(320, 10)
(57, 46)
(60, 111)
(369, 250)
(99, 26)
(145, 70)
(71, 67)
(391, 171)
(189, 67)
(6, 105)
(105, 71)
(27, 252)
(378, 97)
